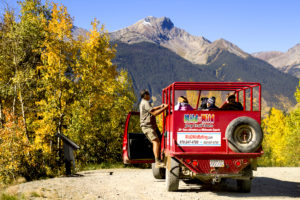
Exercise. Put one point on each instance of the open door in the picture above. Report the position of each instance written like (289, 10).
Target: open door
(136, 147)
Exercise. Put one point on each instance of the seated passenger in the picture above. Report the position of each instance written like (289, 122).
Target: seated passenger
(211, 104)
(183, 104)
(203, 103)
(231, 104)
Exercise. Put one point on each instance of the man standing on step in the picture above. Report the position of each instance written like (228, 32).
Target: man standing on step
(148, 124)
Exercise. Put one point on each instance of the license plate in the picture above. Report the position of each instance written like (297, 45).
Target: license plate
(216, 163)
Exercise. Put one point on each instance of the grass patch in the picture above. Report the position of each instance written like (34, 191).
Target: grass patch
(4, 196)
(35, 194)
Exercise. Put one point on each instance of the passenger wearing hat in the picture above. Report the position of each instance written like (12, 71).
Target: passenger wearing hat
(203, 105)
(148, 124)
(183, 104)
(211, 104)
(231, 104)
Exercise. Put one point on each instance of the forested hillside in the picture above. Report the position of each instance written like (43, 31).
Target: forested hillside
(154, 67)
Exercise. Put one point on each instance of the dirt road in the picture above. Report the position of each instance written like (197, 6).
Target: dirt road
(139, 184)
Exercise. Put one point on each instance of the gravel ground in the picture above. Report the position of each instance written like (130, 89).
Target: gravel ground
(139, 184)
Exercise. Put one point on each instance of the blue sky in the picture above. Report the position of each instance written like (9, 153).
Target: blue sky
(253, 25)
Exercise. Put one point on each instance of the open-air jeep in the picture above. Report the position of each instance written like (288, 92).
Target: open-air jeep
(209, 145)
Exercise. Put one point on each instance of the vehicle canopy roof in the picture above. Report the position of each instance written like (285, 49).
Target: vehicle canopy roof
(168, 96)
(233, 86)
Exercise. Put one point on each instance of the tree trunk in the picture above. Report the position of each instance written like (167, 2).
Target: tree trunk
(14, 101)
(15, 86)
(23, 113)
(60, 122)
(59, 129)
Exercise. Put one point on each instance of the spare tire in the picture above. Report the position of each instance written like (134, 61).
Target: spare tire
(244, 135)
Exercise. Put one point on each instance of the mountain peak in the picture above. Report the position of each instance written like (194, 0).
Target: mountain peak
(288, 62)
(162, 31)
(166, 23)
(295, 49)
(150, 29)
(162, 22)
(228, 46)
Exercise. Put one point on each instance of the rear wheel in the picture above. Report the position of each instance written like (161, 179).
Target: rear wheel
(158, 173)
(244, 185)
(172, 174)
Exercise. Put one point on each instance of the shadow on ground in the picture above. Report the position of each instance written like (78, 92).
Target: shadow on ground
(261, 187)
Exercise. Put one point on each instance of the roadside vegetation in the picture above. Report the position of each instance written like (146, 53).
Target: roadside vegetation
(53, 83)
(5, 196)
(282, 137)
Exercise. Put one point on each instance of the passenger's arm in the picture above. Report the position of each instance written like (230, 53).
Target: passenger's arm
(159, 110)
(158, 107)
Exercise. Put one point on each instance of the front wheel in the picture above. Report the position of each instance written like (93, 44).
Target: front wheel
(158, 173)
(172, 174)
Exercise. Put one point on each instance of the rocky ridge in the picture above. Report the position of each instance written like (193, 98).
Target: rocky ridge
(288, 62)
(162, 31)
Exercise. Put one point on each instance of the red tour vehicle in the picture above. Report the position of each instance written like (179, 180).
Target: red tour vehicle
(203, 144)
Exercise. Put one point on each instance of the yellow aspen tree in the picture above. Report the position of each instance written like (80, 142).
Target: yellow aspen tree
(33, 20)
(14, 147)
(293, 137)
(56, 81)
(96, 87)
(282, 136)
(293, 147)
(275, 140)
(6, 69)
(20, 47)
(105, 95)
